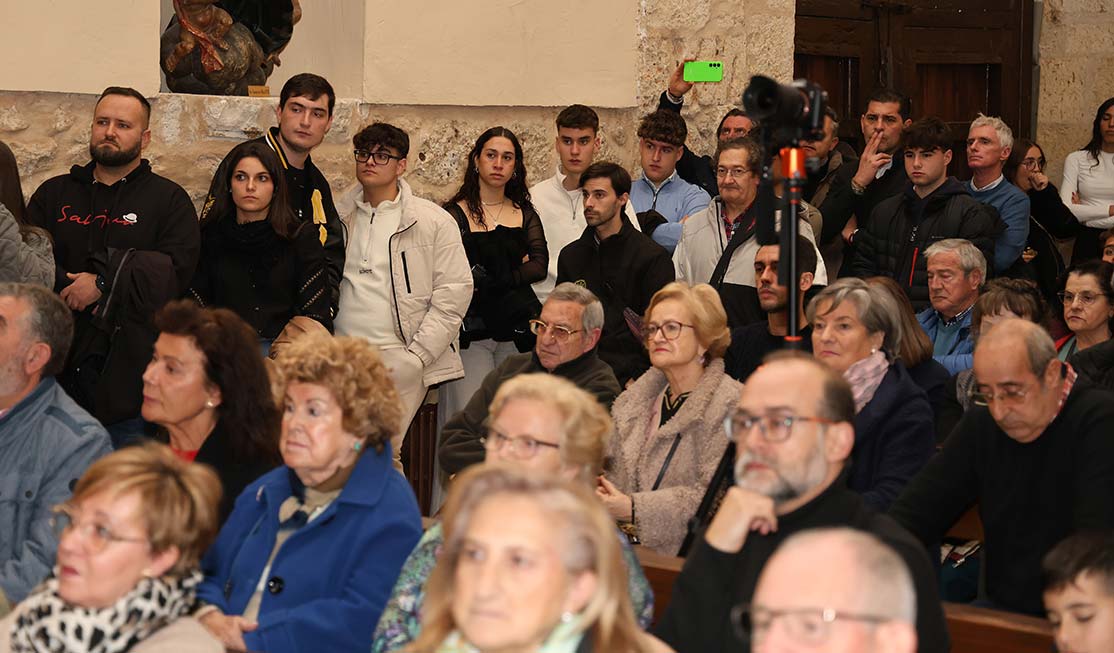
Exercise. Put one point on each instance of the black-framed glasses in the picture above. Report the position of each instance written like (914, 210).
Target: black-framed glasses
(809, 626)
(670, 330)
(379, 156)
(774, 428)
(559, 333)
(522, 447)
(97, 536)
(1085, 298)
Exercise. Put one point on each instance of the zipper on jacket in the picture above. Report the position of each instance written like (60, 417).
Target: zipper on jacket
(406, 272)
(913, 265)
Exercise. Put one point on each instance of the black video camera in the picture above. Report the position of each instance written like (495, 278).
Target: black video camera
(790, 113)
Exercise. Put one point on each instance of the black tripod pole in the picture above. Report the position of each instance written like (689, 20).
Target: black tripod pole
(793, 172)
(722, 479)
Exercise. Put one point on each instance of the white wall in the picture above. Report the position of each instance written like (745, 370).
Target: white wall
(79, 46)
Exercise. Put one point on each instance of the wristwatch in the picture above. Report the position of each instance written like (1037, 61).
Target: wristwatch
(101, 283)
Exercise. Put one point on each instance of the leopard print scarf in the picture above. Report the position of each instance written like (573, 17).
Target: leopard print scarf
(47, 624)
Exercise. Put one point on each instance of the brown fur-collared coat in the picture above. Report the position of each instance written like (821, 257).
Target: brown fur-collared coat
(639, 448)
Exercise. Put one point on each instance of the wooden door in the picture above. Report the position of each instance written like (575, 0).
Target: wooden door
(954, 58)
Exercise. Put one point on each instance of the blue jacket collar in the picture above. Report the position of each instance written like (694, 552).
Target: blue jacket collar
(45, 386)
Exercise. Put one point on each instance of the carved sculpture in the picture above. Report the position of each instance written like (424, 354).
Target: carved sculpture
(221, 47)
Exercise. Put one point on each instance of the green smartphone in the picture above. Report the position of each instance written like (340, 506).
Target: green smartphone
(703, 71)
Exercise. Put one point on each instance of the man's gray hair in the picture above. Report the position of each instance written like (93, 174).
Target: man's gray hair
(49, 321)
(593, 310)
(1005, 134)
(970, 258)
(876, 307)
(1038, 344)
(882, 581)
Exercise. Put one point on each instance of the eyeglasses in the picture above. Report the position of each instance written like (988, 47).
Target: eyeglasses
(559, 333)
(97, 536)
(380, 157)
(774, 428)
(1033, 164)
(808, 626)
(522, 447)
(1009, 395)
(1085, 298)
(669, 330)
(735, 173)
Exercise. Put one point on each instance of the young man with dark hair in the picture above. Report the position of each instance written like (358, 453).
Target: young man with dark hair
(1079, 592)
(619, 264)
(693, 168)
(557, 199)
(304, 115)
(661, 140)
(750, 344)
(858, 186)
(932, 207)
(107, 219)
(718, 244)
(407, 283)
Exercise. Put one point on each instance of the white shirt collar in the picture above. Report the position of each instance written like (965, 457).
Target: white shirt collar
(992, 185)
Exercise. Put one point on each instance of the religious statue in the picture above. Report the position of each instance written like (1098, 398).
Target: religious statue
(221, 47)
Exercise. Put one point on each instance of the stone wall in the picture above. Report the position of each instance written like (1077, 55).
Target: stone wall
(1076, 75)
(49, 131)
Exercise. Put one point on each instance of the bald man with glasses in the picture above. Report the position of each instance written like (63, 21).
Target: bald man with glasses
(1035, 453)
(568, 331)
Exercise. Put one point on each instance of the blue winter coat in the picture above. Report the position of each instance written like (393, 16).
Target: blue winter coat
(895, 435)
(330, 580)
(962, 355)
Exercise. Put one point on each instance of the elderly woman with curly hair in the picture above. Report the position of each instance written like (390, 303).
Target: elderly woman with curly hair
(309, 555)
(669, 423)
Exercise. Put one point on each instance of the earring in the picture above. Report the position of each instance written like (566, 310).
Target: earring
(209, 404)
(357, 446)
(476, 168)
(566, 617)
(873, 350)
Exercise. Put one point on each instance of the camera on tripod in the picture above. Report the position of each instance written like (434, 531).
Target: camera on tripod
(789, 113)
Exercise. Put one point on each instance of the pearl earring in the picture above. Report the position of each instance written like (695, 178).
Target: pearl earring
(209, 404)
(566, 617)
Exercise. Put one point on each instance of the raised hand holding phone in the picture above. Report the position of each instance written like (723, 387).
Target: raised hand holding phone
(703, 71)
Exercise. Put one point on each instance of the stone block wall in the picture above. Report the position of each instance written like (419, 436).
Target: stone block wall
(1076, 75)
(49, 132)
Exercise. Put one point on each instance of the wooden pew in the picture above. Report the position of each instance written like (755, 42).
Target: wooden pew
(979, 630)
(973, 630)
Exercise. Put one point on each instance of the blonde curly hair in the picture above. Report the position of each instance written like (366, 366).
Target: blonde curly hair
(354, 373)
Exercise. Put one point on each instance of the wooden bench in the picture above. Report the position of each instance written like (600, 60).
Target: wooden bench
(973, 630)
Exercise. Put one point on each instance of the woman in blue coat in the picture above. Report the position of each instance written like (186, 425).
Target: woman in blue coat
(312, 549)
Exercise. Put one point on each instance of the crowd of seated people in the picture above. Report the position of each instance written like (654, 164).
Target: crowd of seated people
(202, 409)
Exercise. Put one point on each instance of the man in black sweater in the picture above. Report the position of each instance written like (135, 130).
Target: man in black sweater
(1038, 460)
(619, 264)
(753, 342)
(793, 432)
(568, 331)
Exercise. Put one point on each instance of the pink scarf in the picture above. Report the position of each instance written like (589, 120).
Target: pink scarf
(865, 376)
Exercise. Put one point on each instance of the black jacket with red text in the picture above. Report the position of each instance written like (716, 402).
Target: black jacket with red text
(143, 211)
